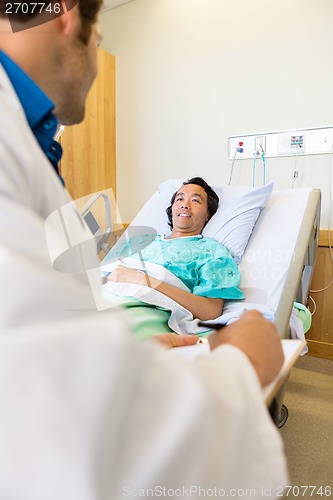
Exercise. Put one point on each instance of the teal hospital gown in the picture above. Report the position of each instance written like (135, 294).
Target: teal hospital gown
(202, 264)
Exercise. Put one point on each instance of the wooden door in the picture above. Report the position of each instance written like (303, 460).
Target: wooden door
(89, 160)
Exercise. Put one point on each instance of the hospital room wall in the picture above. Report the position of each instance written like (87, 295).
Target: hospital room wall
(190, 73)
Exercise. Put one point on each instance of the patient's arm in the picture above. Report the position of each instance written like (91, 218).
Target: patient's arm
(171, 340)
(203, 308)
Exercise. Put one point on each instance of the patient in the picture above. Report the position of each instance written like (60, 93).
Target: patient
(202, 264)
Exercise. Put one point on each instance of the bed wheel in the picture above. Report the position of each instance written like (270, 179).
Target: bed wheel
(283, 416)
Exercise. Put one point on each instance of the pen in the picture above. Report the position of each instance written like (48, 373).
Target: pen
(213, 326)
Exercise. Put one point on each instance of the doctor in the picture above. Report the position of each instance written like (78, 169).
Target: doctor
(85, 412)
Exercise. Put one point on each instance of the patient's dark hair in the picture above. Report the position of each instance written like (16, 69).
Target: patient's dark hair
(212, 198)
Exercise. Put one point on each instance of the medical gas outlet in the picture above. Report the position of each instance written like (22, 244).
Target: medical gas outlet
(289, 143)
(242, 147)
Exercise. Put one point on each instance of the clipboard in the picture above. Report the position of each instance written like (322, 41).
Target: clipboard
(292, 348)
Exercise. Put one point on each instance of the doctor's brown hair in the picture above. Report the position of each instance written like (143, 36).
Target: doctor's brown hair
(212, 198)
(28, 14)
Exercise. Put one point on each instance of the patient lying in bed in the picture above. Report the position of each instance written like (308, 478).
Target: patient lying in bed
(203, 273)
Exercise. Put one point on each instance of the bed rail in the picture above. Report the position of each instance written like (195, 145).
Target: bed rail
(301, 269)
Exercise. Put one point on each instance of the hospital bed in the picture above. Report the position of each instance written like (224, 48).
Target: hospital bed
(273, 236)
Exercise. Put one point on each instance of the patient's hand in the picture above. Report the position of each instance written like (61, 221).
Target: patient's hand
(258, 339)
(123, 274)
(170, 340)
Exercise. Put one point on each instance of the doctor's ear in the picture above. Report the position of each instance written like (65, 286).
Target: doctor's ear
(66, 22)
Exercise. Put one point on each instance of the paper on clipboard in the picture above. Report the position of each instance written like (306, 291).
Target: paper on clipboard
(292, 348)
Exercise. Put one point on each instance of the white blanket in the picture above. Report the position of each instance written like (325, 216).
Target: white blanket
(181, 320)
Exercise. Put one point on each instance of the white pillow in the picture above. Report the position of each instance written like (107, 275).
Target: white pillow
(238, 212)
(233, 223)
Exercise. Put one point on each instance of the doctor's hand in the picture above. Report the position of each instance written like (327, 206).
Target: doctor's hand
(258, 339)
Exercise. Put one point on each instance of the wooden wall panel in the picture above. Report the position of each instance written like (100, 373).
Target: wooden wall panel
(320, 335)
(325, 237)
(89, 161)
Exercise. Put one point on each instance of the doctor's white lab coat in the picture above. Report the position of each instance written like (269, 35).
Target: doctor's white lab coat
(85, 413)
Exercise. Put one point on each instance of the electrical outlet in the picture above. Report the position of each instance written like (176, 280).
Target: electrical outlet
(326, 140)
(291, 142)
(297, 141)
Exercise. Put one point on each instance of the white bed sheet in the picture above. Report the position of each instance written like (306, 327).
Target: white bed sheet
(271, 248)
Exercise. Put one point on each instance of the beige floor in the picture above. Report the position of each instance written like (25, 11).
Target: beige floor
(308, 432)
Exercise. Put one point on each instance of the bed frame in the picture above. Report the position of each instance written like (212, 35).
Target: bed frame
(297, 285)
(301, 270)
(283, 247)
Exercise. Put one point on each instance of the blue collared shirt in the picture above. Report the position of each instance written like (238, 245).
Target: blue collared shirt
(38, 109)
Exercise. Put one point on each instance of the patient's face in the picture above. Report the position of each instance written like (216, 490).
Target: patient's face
(189, 210)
